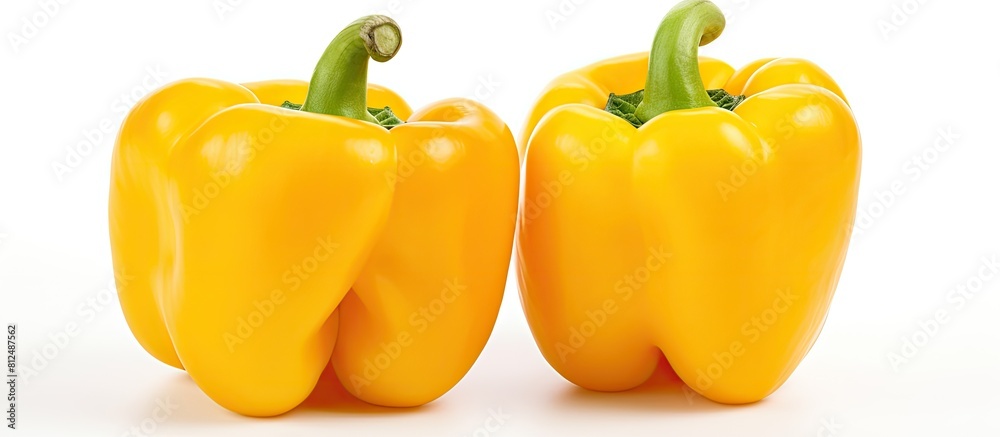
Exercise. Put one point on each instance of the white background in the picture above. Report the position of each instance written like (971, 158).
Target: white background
(932, 72)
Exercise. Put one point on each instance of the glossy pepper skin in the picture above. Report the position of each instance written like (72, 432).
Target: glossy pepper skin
(266, 243)
(713, 238)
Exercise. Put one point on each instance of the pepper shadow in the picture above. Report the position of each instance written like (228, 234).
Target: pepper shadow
(194, 406)
(662, 393)
(330, 396)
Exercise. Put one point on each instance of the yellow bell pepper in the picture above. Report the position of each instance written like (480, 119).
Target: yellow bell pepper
(712, 235)
(268, 243)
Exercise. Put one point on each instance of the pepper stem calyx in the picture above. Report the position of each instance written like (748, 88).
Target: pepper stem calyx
(673, 80)
(339, 85)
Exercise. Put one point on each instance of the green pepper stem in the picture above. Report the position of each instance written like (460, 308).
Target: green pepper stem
(339, 85)
(673, 81)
